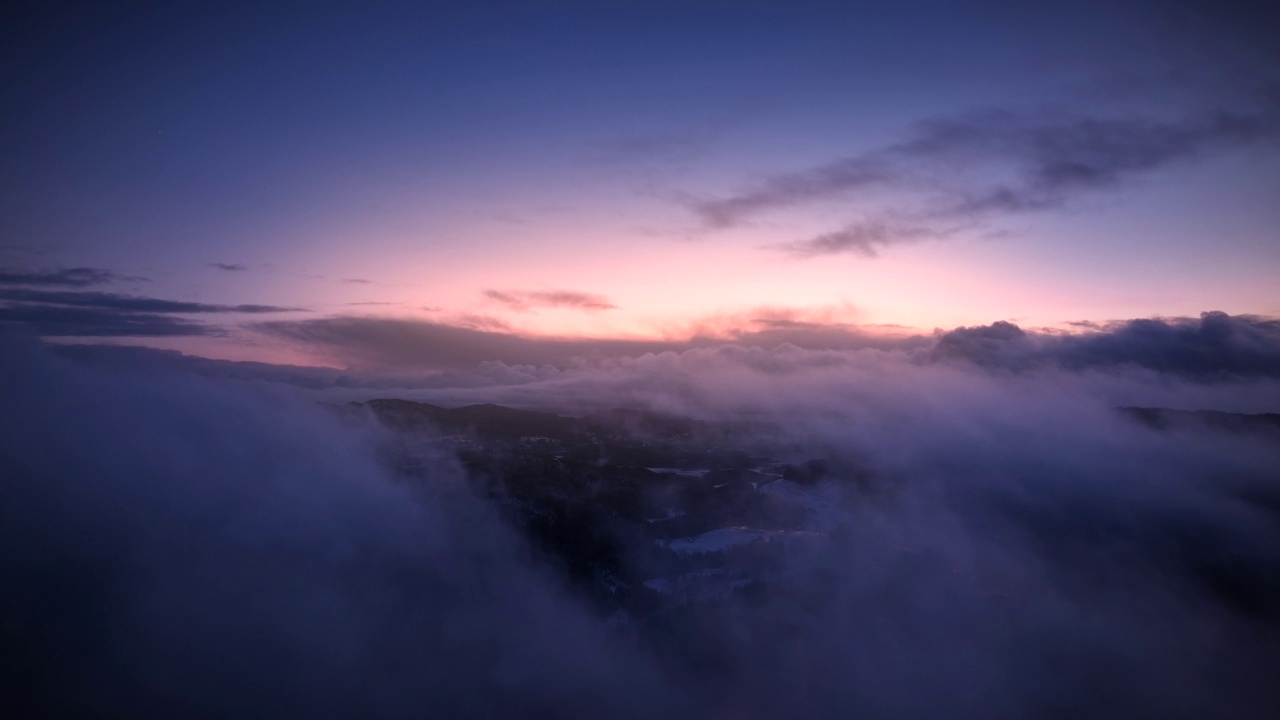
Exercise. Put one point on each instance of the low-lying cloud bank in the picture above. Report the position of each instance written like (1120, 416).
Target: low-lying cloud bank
(1215, 345)
(374, 342)
(176, 544)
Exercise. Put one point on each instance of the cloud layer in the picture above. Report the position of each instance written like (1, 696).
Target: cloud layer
(1016, 547)
(1213, 346)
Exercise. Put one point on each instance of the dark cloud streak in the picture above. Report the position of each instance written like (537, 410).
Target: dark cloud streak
(58, 321)
(64, 277)
(67, 313)
(112, 301)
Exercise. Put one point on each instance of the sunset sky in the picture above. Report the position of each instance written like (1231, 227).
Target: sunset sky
(228, 181)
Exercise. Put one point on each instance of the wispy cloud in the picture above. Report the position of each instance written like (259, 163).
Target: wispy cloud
(865, 238)
(112, 301)
(525, 300)
(62, 277)
(975, 166)
(69, 313)
(65, 321)
(229, 267)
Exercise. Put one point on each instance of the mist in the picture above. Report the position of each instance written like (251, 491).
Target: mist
(996, 539)
(180, 547)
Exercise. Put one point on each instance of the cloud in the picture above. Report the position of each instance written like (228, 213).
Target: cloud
(790, 189)
(168, 543)
(811, 328)
(525, 300)
(1057, 157)
(357, 281)
(60, 321)
(471, 340)
(1006, 543)
(1213, 346)
(229, 267)
(112, 301)
(64, 277)
(431, 345)
(979, 165)
(64, 313)
(863, 238)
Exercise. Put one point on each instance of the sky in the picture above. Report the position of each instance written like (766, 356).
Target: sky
(238, 180)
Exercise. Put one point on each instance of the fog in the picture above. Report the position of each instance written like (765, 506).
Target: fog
(176, 544)
(180, 547)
